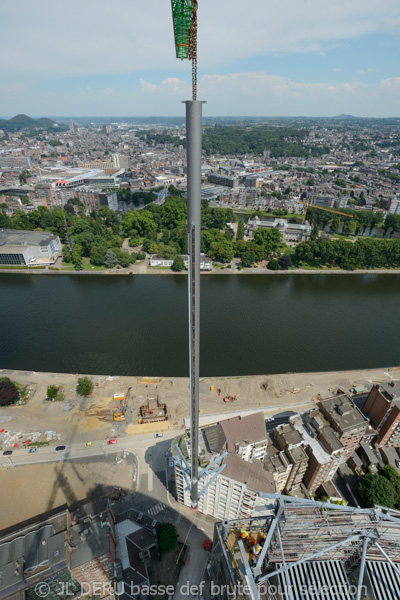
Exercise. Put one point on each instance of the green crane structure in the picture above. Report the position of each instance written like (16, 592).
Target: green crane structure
(181, 16)
(184, 18)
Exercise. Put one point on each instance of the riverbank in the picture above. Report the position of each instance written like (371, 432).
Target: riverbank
(143, 269)
(271, 394)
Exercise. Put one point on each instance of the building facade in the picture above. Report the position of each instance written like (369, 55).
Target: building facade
(296, 232)
(237, 447)
(28, 248)
(347, 421)
(382, 407)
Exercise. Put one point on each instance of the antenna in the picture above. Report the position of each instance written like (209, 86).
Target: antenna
(184, 17)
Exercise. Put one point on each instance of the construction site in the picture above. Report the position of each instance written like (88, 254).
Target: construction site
(302, 549)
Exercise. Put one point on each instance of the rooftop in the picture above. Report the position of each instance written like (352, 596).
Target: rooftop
(252, 474)
(344, 412)
(250, 429)
(16, 238)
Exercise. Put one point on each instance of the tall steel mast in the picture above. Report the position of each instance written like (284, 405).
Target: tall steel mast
(184, 15)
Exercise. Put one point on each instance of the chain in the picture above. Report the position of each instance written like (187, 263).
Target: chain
(193, 47)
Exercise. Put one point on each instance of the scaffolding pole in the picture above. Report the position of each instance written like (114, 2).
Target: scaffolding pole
(194, 147)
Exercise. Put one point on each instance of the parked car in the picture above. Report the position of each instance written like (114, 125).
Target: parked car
(60, 447)
(270, 419)
(88, 444)
(158, 435)
(7, 452)
(113, 441)
(208, 545)
(170, 462)
(32, 450)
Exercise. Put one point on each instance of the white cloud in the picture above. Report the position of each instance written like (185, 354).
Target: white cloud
(51, 38)
(169, 86)
(260, 84)
(391, 83)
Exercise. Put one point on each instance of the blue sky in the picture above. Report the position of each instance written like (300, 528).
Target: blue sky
(286, 58)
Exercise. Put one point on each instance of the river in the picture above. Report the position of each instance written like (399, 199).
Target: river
(253, 324)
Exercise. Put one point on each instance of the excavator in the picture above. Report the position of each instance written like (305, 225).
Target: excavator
(120, 414)
(230, 398)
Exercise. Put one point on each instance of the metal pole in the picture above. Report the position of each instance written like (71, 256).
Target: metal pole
(193, 140)
(395, 567)
(362, 568)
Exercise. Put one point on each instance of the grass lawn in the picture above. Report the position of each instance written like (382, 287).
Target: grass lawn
(86, 266)
(342, 236)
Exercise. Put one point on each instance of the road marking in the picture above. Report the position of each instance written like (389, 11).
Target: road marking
(154, 510)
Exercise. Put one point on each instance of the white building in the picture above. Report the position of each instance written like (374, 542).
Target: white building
(28, 248)
(158, 261)
(294, 232)
(241, 444)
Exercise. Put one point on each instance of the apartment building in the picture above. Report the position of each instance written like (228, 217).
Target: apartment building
(382, 407)
(347, 421)
(237, 446)
(277, 463)
(232, 182)
(291, 441)
(322, 447)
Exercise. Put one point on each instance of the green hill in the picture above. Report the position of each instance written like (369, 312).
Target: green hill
(25, 122)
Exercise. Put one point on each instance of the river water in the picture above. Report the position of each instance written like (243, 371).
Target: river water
(250, 324)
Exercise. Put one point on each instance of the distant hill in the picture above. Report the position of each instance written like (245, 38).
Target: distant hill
(25, 122)
(345, 117)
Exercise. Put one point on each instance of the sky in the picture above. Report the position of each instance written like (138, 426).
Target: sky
(256, 58)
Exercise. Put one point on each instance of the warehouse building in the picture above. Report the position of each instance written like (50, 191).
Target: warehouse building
(28, 248)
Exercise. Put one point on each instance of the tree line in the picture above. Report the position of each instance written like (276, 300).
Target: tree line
(281, 142)
(365, 253)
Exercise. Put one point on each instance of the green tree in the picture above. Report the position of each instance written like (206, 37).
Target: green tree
(335, 224)
(321, 496)
(285, 262)
(110, 259)
(84, 386)
(77, 257)
(240, 230)
(376, 489)
(341, 182)
(9, 393)
(349, 226)
(166, 537)
(67, 254)
(314, 233)
(98, 254)
(178, 264)
(310, 181)
(52, 391)
(248, 258)
(273, 265)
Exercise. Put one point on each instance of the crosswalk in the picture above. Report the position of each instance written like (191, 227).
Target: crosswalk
(154, 510)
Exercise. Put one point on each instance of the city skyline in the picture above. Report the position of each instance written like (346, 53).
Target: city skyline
(309, 58)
